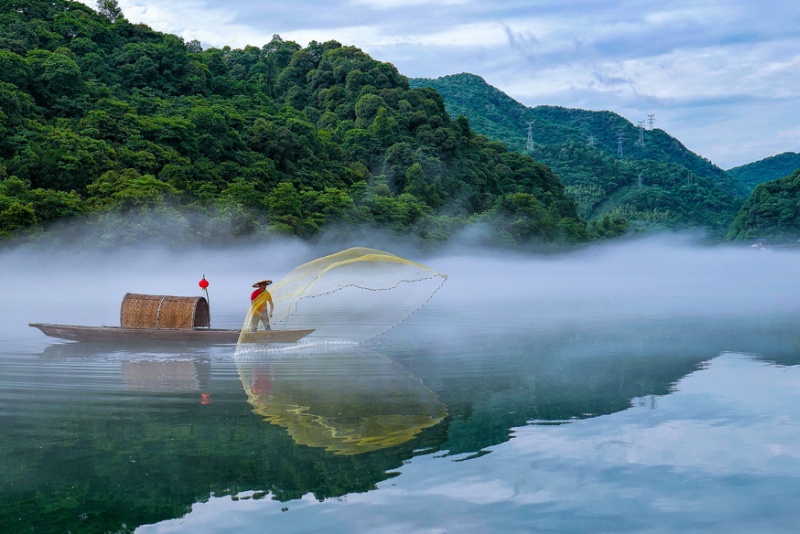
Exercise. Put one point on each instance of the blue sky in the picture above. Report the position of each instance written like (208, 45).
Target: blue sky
(719, 75)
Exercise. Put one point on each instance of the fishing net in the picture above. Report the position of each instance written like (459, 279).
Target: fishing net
(349, 296)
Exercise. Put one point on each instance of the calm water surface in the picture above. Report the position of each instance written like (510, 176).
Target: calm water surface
(610, 394)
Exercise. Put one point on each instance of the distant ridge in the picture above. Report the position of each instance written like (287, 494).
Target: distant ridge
(498, 116)
(656, 184)
(767, 169)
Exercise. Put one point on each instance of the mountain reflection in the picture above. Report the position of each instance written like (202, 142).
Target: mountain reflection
(495, 381)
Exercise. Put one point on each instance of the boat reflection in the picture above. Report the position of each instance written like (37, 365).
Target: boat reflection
(150, 375)
(345, 400)
(177, 369)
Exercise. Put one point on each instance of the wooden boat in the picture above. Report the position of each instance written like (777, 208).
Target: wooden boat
(165, 318)
(194, 335)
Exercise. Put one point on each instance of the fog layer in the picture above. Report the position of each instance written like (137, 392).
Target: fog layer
(658, 278)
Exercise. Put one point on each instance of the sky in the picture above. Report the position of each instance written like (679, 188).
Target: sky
(719, 75)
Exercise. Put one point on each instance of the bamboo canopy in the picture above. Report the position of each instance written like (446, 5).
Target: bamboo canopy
(164, 312)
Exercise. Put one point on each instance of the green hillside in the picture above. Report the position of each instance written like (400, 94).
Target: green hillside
(767, 169)
(142, 135)
(771, 213)
(651, 194)
(656, 182)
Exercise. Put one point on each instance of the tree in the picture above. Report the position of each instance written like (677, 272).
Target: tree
(129, 191)
(425, 188)
(22, 207)
(16, 216)
(285, 208)
(110, 9)
(194, 46)
(13, 68)
(56, 81)
(15, 105)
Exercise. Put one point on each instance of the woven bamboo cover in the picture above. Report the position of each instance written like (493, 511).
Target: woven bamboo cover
(164, 311)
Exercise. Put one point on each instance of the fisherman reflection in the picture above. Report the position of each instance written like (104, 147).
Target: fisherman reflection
(262, 380)
(262, 305)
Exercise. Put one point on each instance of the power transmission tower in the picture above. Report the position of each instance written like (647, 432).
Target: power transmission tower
(641, 133)
(591, 140)
(529, 145)
(651, 119)
(690, 178)
(620, 138)
(639, 181)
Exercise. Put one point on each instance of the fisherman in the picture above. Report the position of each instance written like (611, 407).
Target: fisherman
(260, 299)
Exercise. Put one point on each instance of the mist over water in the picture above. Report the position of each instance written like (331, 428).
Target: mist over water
(658, 278)
(652, 280)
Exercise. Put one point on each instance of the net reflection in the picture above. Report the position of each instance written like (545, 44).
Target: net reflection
(347, 400)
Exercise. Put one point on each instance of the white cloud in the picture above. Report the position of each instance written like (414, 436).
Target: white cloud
(393, 4)
(475, 491)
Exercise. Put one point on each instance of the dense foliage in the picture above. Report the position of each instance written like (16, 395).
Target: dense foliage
(650, 194)
(766, 170)
(771, 214)
(108, 120)
(677, 188)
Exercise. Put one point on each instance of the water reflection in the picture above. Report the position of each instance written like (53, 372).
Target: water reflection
(492, 381)
(718, 455)
(177, 369)
(96, 436)
(99, 436)
(347, 400)
(149, 375)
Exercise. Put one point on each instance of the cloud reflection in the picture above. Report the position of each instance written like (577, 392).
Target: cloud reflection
(643, 469)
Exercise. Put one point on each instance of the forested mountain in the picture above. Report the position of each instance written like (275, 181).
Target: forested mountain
(143, 134)
(651, 194)
(655, 181)
(771, 213)
(767, 169)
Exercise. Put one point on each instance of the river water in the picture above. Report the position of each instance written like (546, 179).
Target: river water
(646, 387)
